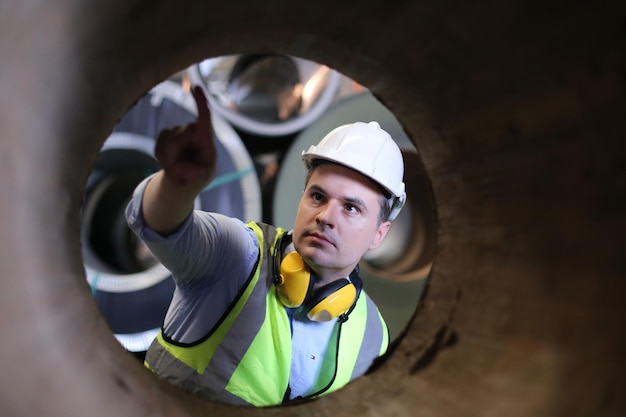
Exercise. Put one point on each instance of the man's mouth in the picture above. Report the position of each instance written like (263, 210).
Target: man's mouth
(320, 238)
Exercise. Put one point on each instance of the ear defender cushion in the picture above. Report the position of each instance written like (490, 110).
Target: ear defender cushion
(331, 300)
(295, 281)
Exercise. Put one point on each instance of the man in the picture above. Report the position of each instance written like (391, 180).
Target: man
(261, 316)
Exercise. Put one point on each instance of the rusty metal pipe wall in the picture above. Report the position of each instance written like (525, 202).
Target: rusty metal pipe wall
(517, 109)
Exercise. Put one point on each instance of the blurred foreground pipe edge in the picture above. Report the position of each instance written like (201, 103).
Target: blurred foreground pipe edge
(517, 109)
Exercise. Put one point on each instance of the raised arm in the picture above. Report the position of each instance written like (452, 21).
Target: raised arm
(188, 159)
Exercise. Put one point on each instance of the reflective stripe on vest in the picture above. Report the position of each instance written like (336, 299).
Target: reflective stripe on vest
(246, 359)
(351, 364)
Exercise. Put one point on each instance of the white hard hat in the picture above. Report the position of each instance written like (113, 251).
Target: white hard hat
(367, 149)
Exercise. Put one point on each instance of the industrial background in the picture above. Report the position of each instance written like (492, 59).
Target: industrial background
(504, 280)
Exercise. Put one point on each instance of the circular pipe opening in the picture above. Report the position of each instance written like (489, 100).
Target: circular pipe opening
(502, 99)
(266, 95)
(109, 245)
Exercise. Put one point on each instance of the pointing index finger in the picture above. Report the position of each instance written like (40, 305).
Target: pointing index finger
(204, 117)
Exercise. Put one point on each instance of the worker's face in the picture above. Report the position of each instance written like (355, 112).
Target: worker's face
(337, 221)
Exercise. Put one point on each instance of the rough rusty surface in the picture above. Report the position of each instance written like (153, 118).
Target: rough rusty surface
(517, 108)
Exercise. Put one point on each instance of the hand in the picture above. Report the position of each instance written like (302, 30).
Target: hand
(187, 153)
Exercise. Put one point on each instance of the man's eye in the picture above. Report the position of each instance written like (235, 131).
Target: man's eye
(351, 208)
(317, 196)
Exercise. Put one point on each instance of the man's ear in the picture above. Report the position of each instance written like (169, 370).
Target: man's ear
(380, 234)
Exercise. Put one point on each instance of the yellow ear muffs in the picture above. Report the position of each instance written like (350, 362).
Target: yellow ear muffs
(294, 280)
(331, 301)
(294, 288)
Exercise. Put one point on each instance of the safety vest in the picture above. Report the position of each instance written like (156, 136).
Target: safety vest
(246, 358)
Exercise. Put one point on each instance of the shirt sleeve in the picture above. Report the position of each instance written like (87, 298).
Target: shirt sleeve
(210, 257)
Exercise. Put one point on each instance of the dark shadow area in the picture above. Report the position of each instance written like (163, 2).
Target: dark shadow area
(516, 109)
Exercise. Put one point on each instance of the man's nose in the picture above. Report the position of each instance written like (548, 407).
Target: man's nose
(327, 214)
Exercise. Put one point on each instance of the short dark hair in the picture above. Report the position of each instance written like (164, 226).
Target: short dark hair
(383, 196)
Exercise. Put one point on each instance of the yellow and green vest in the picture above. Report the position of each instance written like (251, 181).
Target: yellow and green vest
(246, 358)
